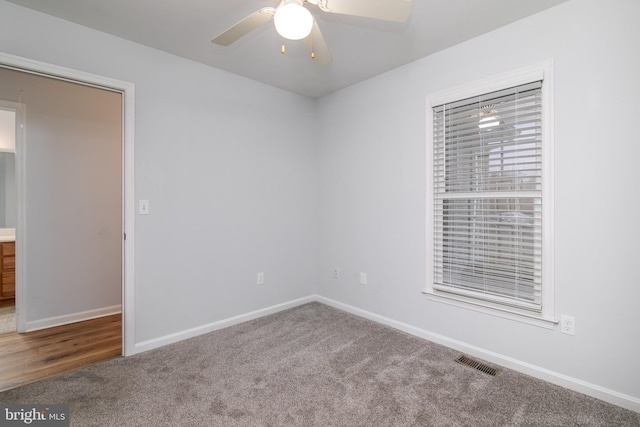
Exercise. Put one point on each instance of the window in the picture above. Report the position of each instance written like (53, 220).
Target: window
(489, 195)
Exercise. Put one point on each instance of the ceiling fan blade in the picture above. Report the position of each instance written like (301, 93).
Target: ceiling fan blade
(245, 26)
(386, 10)
(317, 46)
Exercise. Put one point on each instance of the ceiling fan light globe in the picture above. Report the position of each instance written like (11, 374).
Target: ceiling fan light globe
(293, 21)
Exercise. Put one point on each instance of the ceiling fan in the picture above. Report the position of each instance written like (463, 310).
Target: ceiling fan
(294, 21)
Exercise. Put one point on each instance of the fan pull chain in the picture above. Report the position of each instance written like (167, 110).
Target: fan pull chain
(282, 50)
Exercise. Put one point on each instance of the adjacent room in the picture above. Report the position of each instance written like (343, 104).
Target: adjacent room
(387, 222)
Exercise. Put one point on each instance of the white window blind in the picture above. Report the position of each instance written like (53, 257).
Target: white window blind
(487, 179)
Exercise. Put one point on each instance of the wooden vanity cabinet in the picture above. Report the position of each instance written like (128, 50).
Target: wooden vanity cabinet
(8, 270)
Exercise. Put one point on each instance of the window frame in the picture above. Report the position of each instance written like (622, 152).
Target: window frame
(541, 71)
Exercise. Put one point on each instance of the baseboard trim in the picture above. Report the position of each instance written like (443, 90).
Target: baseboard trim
(593, 390)
(50, 322)
(221, 324)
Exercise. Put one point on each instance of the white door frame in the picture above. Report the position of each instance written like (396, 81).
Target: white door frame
(128, 108)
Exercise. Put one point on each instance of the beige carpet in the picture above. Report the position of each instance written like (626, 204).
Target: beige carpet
(311, 366)
(7, 319)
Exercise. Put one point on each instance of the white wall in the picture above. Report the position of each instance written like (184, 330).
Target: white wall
(373, 191)
(232, 188)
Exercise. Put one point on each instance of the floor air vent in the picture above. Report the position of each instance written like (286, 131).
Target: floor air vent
(477, 365)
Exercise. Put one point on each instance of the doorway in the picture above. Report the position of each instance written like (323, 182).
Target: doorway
(10, 116)
(65, 213)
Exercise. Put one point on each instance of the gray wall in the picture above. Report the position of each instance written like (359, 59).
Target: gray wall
(3, 189)
(232, 185)
(73, 198)
(373, 191)
(8, 208)
(8, 196)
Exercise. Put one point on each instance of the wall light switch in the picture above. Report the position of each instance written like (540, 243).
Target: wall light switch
(143, 207)
(260, 279)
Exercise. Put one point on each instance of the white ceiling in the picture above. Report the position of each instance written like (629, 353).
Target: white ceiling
(361, 48)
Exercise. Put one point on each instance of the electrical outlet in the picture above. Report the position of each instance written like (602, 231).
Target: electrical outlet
(335, 273)
(363, 278)
(260, 278)
(143, 207)
(568, 325)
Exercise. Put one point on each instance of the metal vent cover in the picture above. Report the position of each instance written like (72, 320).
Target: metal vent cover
(464, 360)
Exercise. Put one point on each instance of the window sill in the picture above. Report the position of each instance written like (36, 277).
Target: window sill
(493, 309)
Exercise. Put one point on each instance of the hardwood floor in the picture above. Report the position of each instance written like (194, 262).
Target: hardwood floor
(34, 356)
